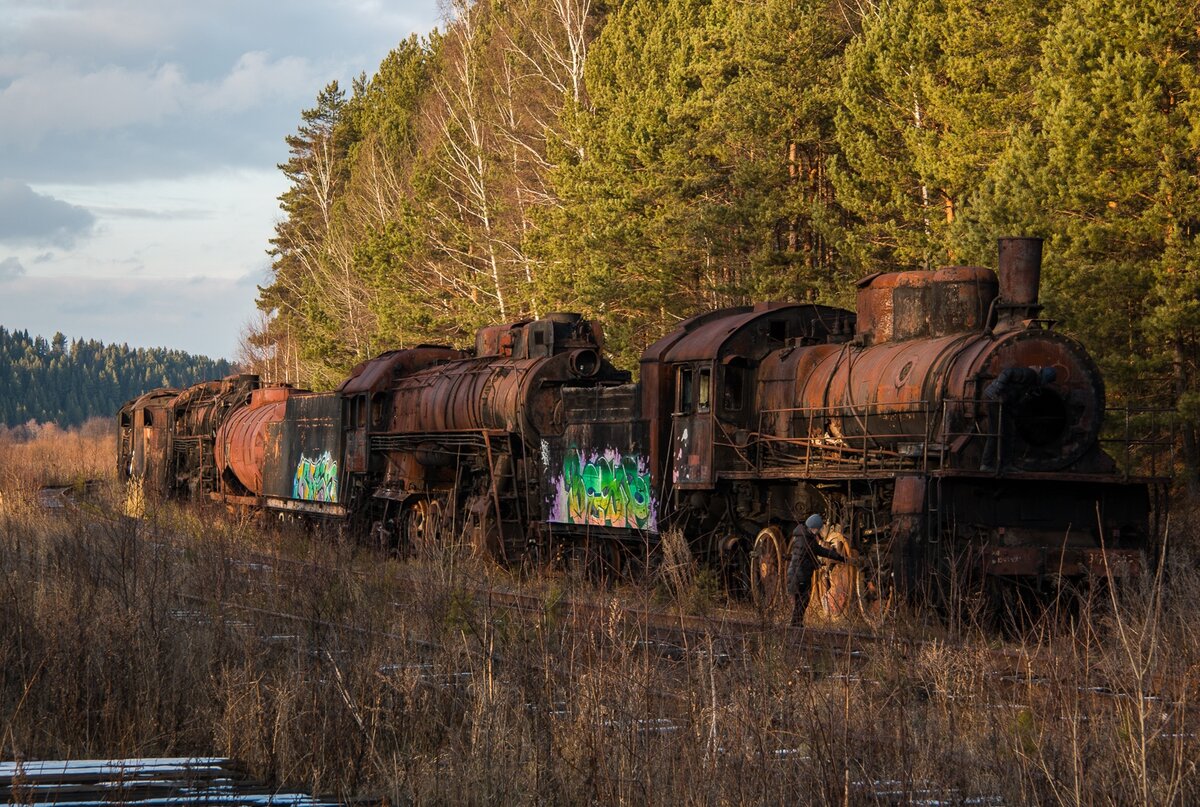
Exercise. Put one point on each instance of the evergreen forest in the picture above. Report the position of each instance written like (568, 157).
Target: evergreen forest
(642, 160)
(67, 382)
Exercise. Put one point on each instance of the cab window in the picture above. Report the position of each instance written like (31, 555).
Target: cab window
(704, 389)
(683, 390)
(378, 409)
(733, 392)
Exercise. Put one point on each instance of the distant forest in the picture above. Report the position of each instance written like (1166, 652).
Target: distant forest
(67, 382)
(640, 161)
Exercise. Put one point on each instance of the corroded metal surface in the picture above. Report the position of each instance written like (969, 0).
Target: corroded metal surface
(241, 442)
(143, 438)
(509, 387)
(1020, 270)
(378, 374)
(920, 304)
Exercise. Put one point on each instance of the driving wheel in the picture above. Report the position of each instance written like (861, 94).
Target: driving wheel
(767, 569)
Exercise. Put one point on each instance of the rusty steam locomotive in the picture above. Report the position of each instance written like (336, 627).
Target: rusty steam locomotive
(945, 427)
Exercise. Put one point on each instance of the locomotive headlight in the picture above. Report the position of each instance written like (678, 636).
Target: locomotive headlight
(585, 363)
(1041, 417)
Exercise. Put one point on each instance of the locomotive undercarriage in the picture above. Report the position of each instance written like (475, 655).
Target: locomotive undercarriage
(469, 490)
(973, 544)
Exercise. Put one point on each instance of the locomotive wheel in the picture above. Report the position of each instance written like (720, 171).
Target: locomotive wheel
(875, 591)
(834, 583)
(601, 561)
(419, 537)
(486, 539)
(767, 568)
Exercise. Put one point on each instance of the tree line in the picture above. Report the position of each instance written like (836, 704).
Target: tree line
(643, 160)
(67, 382)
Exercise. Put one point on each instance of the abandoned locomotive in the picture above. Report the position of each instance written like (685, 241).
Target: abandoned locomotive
(944, 426)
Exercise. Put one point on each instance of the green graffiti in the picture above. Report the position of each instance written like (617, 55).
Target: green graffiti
(316, 480)
(606, 490)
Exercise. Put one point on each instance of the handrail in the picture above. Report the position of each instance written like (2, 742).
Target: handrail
(917, 435)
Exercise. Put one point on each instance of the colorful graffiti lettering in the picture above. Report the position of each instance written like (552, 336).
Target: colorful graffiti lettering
(608, 490)
(316, 480)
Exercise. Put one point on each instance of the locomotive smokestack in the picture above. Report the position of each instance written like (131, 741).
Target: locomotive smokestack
(1020, 270)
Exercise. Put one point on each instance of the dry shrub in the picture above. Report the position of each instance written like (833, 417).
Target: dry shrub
(322, 666)
(43, 454)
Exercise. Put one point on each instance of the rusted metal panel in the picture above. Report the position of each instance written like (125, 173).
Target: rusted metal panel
(144, 433)
(597, 475)
(922, 304)
(692, 462)
(303, 450)
(909, 496)
(962, 298)
(1043, 562)
(1032, 519)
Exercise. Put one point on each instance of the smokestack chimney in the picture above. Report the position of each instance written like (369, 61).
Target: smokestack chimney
(1020, 270)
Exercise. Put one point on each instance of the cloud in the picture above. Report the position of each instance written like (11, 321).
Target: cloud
(10, 269)
(105, 90)
(31, 219)
(62, 99)
(199, 315)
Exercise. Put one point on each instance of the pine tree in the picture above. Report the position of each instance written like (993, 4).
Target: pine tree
(680, 183)
(90, 380)
(932, 91)
(1108, 174)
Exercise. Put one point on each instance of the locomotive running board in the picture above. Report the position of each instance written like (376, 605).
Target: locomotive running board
(329, 509)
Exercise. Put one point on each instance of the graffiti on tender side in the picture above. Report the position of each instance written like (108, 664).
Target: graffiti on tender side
(606, 490)
(316, 480)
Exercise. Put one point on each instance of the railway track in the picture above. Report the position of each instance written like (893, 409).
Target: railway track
(723, 633)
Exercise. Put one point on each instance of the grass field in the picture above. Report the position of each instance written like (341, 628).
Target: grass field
(333, 671)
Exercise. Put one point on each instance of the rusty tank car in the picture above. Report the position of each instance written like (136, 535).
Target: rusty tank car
(951, 432)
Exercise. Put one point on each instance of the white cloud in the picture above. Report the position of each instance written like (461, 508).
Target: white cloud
(213, 225)
(154, 128)
(63, 100)
(257, 78)
(100, 89)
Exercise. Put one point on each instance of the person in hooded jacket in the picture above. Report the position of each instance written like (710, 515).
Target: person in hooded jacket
(803, 562)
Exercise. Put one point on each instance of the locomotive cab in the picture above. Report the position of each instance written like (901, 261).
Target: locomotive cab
(707, 369)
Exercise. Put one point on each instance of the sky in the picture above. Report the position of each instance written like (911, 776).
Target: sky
(139, 141)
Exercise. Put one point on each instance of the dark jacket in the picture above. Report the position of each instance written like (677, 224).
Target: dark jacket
(1011, 384)
(803, 562)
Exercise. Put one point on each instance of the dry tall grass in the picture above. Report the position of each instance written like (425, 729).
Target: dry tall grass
(173, 635)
